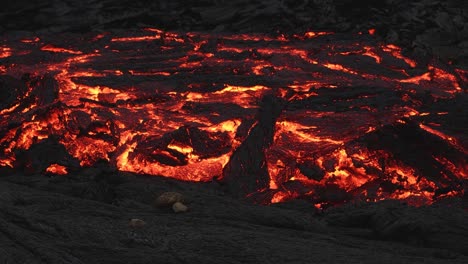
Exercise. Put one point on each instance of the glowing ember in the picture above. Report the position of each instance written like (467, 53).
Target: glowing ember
(5, 52)
(52, 48)
(396, 52)
(57, 169)
(183, 105)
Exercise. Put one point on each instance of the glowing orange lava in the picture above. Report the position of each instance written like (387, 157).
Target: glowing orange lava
(52, 48)
(180, 104)
(57, 169)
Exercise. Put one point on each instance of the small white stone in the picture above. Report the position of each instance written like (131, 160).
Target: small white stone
(179, 207)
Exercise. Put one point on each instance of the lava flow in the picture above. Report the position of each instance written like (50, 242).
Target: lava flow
(324, 117)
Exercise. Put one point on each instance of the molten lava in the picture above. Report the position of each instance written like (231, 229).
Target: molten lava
(357, 119)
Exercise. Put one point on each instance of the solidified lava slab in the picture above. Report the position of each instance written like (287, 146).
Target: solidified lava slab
(320, 116)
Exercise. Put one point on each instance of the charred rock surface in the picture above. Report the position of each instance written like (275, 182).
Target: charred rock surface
(315, 111)
(85, 218)
(322, 116)
(246, 171)
(424, 27)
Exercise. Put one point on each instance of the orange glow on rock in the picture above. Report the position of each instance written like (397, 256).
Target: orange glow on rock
(338, 67)
(136, 39)
(57, 169)
(396, 52)
(435, 132)
(52, 48)
(444, 75)
(31, 40)
(5, 52)
(417, 79)
(181, 104)
(312, 34)
(369, 52)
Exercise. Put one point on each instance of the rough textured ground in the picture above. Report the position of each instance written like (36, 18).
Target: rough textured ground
(83, 218)
(424, 27)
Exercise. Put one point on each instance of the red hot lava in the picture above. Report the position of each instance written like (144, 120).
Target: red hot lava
(318, 116)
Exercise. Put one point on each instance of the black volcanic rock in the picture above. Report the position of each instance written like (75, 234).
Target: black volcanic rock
(43, 154)
(10, 90)
(246, 171)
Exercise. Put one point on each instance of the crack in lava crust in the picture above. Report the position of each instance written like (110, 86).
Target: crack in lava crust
(358, 119)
